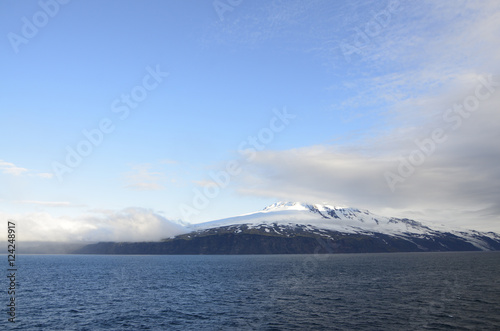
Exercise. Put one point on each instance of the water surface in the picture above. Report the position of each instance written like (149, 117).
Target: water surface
(401, 291)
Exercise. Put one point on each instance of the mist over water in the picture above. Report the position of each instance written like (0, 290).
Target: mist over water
(340, 292)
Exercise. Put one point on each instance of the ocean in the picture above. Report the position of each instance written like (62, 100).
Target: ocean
(393, 291)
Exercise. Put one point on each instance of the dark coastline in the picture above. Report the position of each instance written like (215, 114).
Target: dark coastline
(254, 242)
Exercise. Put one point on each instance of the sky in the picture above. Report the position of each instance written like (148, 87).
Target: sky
(122, 120)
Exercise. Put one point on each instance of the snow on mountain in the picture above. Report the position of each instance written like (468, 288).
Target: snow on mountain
(302, 228)
(283, 216)
(322, 216)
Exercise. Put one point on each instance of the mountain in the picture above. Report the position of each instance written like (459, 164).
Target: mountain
(301, 228)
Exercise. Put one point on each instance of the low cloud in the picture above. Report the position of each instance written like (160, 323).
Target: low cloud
(131, 224)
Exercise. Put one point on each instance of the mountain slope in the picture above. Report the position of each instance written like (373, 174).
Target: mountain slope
(300, 228)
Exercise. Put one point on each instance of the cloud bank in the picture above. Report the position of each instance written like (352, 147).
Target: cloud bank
(131, 224)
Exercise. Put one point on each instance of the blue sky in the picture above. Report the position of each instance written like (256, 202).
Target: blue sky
(361, 81)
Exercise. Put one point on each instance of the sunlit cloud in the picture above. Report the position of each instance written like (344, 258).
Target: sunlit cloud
(130, 224)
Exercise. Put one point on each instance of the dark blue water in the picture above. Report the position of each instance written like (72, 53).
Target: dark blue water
(415, 291)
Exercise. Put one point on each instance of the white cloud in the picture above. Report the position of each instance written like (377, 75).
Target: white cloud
(143, 179)
(205, 183)
(45, 175)
(459, 182)
(429, 49)
(49, 203)
(11, 169)
(131, 224)
(168, 161)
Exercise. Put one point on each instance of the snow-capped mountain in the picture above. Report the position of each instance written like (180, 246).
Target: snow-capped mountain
(320, 216)
(302, 228)
(282, 217)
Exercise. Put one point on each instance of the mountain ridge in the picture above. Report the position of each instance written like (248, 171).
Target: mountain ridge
(303, 228)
